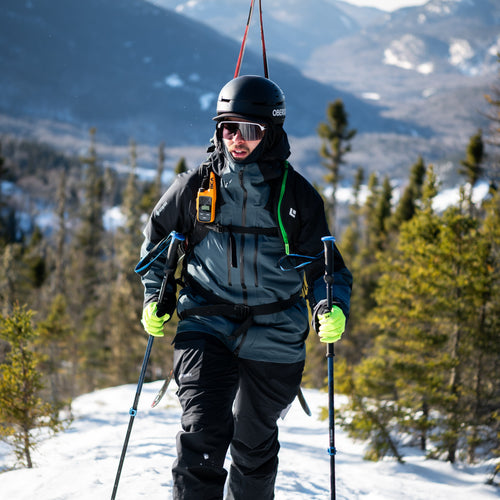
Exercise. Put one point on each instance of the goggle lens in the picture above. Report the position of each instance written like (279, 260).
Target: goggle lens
(249, 131)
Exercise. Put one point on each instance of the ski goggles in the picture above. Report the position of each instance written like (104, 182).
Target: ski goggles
(249, 131)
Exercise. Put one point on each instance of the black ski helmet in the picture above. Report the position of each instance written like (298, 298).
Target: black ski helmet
(251, 96)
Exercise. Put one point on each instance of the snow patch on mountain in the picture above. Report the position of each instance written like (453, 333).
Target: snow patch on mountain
(445, 7)
(408, 52)
(371, 96)
(495, 48)
(174, 81)
(206, 101)
(461, 54)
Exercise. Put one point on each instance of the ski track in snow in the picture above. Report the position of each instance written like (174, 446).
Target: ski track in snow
(81, 463)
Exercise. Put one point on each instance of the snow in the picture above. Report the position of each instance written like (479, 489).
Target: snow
(387, 5)
(451, 196)
(445, 7)
(407, 52)
(371, 96)
(174, 81)
(81, 463)
(495, 48)
(206, 101)
(461, 54)
(113, 218)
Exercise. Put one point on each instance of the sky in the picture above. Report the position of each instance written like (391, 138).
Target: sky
(388, 5)
(81, 463)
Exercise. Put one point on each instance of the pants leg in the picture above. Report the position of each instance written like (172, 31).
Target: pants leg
(265, 390)
(207, 375)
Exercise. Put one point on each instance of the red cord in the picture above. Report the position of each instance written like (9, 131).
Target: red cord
(264, 55)
(244, 41)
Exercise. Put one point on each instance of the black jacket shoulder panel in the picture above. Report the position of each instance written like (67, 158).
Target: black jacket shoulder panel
(302, 213)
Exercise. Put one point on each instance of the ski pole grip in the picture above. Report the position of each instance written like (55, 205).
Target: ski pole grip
(328, 242)
(172, 250)
(170, 266)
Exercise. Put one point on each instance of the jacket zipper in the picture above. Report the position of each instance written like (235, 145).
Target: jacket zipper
(242, 238)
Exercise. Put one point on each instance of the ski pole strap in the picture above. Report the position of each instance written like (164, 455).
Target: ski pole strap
(145, 263)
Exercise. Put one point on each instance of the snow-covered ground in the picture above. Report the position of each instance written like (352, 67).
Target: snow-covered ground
(81, 463)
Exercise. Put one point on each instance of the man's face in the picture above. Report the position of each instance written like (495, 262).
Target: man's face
(241, 137)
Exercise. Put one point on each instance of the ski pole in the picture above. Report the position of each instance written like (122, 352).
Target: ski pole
(328, 242)
(170, 266)
(133, 413)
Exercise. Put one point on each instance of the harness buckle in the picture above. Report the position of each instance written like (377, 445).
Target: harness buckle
(241, 311)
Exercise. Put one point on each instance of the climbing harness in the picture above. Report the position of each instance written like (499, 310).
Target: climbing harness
(237, 312)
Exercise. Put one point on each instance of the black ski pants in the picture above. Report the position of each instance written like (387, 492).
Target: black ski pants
(228, 402)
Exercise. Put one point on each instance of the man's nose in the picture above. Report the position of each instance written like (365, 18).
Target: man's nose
(238, 137)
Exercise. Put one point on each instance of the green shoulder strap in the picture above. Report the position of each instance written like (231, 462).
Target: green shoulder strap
(280, 221)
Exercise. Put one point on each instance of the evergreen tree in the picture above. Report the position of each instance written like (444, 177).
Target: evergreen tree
(21, 408)
(336, 137)
(3, 221)
(367, 274)
(485, 393)
(472, 168)
(426, 374)
(159, 170)
(181, 166)
(59, 282)
(493, 137)
(154, 190)
(88, 240)
(351, 238)
(411, 195)
(14, 277)
(56, 340)
(126, 337)
(382, 214)
(376, 382)
(85, 297)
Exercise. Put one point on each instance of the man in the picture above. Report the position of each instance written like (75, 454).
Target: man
(253, 229)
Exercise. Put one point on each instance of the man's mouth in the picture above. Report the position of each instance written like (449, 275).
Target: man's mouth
(238, 152)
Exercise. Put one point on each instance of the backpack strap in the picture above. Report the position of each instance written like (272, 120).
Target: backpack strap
(266, 231)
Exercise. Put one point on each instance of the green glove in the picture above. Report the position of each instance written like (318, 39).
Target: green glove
(151, 322)
(331, 325)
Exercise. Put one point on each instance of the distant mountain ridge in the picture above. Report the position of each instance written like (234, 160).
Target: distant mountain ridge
(412, 81)
(135, 70)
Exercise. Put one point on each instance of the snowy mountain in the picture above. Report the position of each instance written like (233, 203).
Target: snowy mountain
(133, 69)
(456, 36)
(412, 80)
(287, 25)
(81, 463)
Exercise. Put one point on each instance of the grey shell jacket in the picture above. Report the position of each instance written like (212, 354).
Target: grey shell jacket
(243, 268)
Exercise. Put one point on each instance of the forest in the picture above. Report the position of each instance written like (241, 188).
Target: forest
(421, 354)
